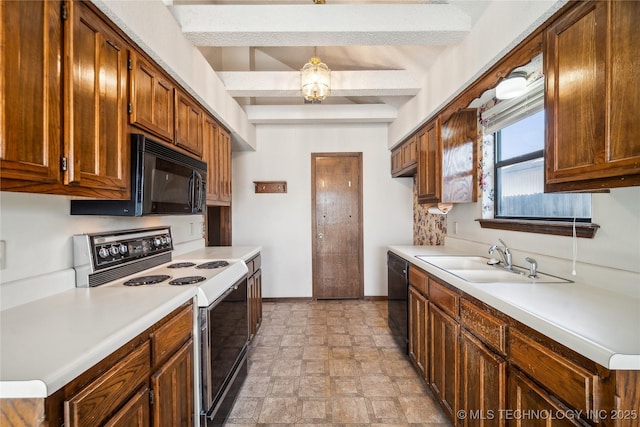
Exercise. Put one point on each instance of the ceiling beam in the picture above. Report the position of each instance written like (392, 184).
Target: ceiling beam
(343, 83)
(323, 25)
(321, 113)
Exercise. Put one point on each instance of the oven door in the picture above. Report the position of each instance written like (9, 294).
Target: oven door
(224, 330)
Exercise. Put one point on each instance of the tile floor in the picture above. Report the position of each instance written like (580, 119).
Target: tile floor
(327, 363)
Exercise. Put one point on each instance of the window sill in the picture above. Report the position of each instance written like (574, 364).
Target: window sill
(558, 228)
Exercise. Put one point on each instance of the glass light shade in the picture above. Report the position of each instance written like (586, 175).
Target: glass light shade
(513, 86)
(315, 80)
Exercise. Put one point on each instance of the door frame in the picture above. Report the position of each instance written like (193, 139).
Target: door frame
(358, 156)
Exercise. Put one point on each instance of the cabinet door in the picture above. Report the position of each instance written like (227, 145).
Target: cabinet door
(526, 398)
(459, 157)
(151, 96)
(93, 404)
(410, 152)
(443, 358)
(429, 163)
(188, 123)
(396, 161)
(172, 388)
(135, 413)
(224, 156)
(251, 296)
(592, 129)
(30, 92)
(418, 321)
(257, 277)
(483, 383)
(210, 147)
(95, 102)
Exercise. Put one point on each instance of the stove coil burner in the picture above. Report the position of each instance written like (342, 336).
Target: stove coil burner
(190, 280)
(181, 265)
(213, 264)
(146, 280)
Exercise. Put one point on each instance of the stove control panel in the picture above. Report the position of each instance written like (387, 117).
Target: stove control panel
(106, 250)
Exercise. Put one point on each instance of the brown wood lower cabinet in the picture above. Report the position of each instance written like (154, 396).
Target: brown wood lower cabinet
(418, 320)
(488, 369)
(146, 382)
(444, 355)
(171, 385)
(483, 381)
(531, 406)
(254, 291)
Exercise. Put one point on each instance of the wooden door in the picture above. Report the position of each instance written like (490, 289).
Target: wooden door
(459, 157)
(96, 140)
(337, 225)
(418, 323)
(525, 397)
(151, 95)
(429, 152)
(173, 390)
(483, 383)
(592, 127)
(135, 413)
(30, 91)
(443, 358)
(188, 124)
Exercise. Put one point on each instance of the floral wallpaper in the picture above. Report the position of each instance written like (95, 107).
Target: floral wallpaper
(428, 229)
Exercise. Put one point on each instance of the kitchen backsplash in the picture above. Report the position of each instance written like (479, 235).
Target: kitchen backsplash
(428, 229)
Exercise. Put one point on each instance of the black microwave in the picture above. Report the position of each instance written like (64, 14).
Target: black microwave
(163, 182)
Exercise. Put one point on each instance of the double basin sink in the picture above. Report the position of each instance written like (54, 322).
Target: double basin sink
(476, 269)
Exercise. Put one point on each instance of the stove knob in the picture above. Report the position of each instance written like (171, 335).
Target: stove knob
(103, 252)
(114, 250)
(165, 240)
(168, 240)
(123, 249)
(157, 242)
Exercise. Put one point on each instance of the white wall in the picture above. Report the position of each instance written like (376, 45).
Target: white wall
(281, 223)
(38, 229)
(610, 259)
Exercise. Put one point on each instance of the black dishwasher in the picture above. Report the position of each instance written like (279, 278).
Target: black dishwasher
(397, 298)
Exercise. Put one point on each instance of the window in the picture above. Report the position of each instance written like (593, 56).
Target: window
(517, 126)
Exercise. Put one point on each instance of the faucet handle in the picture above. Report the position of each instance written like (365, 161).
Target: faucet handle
(533, 266)
(506, 248)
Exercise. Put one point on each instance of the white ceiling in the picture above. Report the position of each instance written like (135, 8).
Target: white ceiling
(378, 51)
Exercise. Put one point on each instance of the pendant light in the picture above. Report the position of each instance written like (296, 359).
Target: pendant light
(315, 80)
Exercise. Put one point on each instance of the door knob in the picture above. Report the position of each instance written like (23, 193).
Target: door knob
(320, 235)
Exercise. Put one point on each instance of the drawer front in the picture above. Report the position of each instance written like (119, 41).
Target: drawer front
(444, 298)
(167, 339)
(418, 279)
(98, 400)
(488, 328)
(568, 381)
(250, 267)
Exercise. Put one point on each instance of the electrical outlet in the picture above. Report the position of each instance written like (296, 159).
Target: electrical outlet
(3, 255)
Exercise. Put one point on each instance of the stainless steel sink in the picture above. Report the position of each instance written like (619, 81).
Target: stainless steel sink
(449, 262)
(476, 270)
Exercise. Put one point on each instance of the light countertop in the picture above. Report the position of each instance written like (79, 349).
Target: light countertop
(244, 253)
(599, 324)
(48, 342)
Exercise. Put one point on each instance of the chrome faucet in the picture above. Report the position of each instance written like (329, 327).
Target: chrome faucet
(506, 254)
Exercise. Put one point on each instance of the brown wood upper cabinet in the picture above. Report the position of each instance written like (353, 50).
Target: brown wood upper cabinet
(95, 102)
(590, 62)
(152, 98)
(45, 148)
(217, 154)
(459, 157)
(31, 93)
(404, 158)
(188, 124)
(429, 162)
